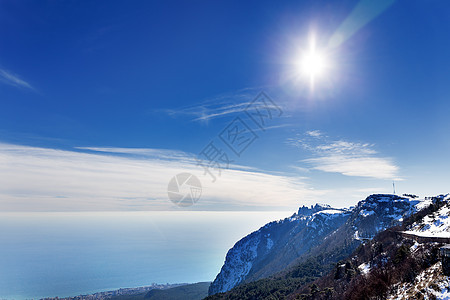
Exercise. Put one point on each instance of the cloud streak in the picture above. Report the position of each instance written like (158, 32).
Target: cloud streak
(43, 179)
(217, 107)
(220, 106)
(349, 165)
(346, 158)
(14, 80)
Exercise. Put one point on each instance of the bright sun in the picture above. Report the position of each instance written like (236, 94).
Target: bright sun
(313, 64)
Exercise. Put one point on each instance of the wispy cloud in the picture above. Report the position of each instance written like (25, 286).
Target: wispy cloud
(217, 107)
(99, 179)
(165, 154)
(375, 167)
(344, 157)
(314, 133)
(145, 152)
(13, 80)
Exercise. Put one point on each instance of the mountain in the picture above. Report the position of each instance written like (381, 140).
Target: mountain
(436, 224)
(402, 262)
(275, 245)
(194, 291)
(398, 262)
(319, 234)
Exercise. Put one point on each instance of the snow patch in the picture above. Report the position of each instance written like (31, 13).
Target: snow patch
(431, 283)
(433, 225)
(366, 213)
(364, 268)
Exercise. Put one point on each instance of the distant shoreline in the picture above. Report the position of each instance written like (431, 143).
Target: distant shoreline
(118, 292)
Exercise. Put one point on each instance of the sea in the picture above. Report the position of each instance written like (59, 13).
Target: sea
(49, 254)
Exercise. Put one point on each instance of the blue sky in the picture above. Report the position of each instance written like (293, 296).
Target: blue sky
(103, 102)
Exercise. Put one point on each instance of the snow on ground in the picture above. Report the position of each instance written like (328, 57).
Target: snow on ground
(431, 284)
(357, 237)
(364, 268)
(330, 212)
(421, 204)
(366, 212)
(414, 247)
(433, 225)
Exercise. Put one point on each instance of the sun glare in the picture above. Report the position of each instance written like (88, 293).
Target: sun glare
(312, 63)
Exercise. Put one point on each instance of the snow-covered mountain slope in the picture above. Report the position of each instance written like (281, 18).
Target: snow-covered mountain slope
(318, 229)
(370, 216)
(429, 284)
(436, 224)
(380, 211)
(275, 245)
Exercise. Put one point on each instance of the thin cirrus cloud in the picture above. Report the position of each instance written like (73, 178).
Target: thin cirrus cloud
(374, 167)
(217, 107)
(344, 157)
(13, 80)
(145, 152)
(206, 112)
(45, 179)
(159, 154)
(314, 133)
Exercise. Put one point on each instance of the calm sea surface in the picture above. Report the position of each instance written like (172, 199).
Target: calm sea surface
(67, 254)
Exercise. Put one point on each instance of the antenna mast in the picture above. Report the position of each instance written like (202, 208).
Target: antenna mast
(393, 186)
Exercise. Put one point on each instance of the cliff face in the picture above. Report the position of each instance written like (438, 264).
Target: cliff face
(276, 245)
(279, 244)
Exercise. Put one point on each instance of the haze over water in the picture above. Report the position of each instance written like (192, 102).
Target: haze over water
(67, 254)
